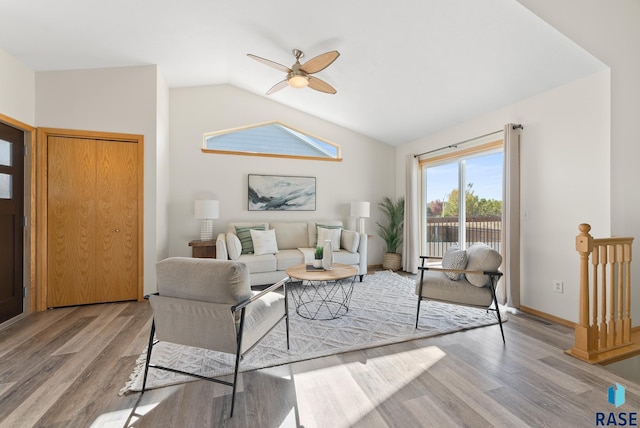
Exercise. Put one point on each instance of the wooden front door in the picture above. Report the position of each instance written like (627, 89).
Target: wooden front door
(11, 221)
(93, 220)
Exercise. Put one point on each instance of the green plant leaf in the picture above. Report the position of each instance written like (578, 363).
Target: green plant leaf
(391, 232)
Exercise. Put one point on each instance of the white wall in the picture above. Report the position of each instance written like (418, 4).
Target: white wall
(564, 181)
(610, 31)
(366, 173)
(17, 89)
(162, 164)
(120, 100)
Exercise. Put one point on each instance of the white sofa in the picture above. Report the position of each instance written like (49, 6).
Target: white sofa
(294, 244)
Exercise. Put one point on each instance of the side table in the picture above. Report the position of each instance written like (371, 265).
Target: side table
(203, 249)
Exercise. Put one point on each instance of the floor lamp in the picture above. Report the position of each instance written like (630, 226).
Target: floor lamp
(360, 210)
(207, 210)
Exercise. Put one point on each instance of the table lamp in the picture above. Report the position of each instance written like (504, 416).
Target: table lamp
(207, 210)
(360, 210)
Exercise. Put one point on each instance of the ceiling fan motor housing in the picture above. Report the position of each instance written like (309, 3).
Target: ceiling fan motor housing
(297, 78)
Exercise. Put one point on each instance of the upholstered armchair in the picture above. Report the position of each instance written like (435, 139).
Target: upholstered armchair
(209, 304)
(463, 277)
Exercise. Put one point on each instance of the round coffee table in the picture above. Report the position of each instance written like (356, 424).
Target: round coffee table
(322, 294)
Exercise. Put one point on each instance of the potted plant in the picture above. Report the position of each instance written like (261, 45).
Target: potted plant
(391, 233)
(317, 257)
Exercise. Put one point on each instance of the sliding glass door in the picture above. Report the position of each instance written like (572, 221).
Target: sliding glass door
(440, 194)
(462, 201)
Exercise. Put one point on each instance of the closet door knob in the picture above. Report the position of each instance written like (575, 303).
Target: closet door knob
(117, 230)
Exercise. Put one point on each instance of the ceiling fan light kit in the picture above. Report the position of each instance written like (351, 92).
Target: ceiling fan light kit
(298, 81)
(298, 76)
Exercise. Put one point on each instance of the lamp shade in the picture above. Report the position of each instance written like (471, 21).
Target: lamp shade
(207, 209)
(359, 209)
(298, 81)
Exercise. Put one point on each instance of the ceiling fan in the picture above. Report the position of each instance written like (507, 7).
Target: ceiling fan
(299, 75)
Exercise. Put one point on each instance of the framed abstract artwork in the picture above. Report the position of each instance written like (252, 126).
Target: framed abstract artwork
(281, 193)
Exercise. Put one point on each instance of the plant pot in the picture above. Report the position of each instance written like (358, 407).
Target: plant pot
(317, 263)
(392, 261)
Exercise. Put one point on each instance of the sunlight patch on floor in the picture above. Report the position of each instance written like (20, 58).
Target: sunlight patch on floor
(322, 391)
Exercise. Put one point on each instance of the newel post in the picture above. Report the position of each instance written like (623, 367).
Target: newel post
(585, 341)
(584, 246)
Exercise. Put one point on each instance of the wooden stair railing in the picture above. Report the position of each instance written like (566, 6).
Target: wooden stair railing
(604, 331)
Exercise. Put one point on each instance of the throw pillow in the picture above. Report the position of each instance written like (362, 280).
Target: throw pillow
(482, 257)
(264, 241)
(454, 258)
(245, 237)
(221, 247)
(324, 226)
(234, 247)
(350, 240)
(332, 235)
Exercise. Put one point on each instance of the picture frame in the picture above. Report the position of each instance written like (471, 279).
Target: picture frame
(281, 193)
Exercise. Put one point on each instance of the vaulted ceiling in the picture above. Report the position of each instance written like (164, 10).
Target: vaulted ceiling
(407, 68)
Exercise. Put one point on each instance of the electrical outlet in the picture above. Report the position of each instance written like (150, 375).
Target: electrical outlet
(558, 286)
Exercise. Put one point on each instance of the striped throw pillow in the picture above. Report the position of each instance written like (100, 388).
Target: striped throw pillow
(244, 235)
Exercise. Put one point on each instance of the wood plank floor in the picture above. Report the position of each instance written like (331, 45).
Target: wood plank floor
(64, 368)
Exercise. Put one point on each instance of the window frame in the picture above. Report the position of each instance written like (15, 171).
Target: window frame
(206, 135)
(454, 156)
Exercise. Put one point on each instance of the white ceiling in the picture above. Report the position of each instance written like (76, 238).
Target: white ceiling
(407, 68)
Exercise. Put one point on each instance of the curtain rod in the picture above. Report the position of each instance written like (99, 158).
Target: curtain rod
(455, 146)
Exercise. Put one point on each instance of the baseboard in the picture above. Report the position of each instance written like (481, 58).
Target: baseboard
(548, 317)
(374, 268)
(561, 321)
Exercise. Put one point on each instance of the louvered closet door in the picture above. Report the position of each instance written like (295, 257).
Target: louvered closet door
(92, 221)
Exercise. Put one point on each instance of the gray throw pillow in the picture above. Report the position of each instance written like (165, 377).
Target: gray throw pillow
(454, 258)
(482, 258)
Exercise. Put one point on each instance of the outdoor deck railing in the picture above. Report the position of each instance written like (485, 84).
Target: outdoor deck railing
(442, 232)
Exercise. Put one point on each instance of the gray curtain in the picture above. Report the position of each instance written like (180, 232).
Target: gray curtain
(411, 233)
(508, 291)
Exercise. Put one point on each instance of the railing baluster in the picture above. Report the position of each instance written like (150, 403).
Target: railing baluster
(611, 330)
(619, 307)
(607, 335)
(594, 304)
(627, 309)
(603, 310)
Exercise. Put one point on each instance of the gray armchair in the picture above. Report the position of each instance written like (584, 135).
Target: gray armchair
(208, 303)
(467, 278)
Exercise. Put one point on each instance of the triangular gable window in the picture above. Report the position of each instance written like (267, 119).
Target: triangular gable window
(271, 139)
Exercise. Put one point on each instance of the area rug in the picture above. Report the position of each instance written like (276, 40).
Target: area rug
(382, 311)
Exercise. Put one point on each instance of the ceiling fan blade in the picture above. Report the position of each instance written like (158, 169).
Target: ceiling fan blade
(320, 62)
(321, 85)
(270, 63)
(277, 87)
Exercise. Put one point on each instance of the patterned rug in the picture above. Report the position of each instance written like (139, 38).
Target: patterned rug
(382, 311)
